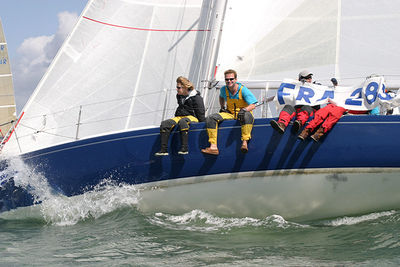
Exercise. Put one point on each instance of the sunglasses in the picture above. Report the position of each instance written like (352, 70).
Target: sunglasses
(229, 79)
(179, 87)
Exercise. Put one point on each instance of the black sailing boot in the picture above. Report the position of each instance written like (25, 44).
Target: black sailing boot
(185, 140)
(164, 144)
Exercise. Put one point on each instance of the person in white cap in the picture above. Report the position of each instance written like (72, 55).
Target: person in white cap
(301, 113)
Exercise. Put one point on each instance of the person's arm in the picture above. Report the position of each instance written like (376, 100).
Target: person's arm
(249, 98)
(250, 107)
(200, 109)
(222, 102)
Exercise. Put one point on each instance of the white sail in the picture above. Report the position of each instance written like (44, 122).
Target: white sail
(7, 102)
(347, 39)
(116, 71)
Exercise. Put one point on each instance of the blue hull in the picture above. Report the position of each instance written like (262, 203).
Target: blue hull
(72, 168)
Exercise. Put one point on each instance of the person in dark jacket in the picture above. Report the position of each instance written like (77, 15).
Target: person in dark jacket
(190, 109)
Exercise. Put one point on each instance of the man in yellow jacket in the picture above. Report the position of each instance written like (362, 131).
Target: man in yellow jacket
(240, 102)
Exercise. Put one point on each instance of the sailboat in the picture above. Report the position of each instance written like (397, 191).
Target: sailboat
(7, 101)
(95, 114)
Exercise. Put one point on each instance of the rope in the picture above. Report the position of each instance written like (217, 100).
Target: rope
(7, 123)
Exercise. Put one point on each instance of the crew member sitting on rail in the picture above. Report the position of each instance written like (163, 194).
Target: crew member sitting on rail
(301, 113)
(190, 109)
(327, 117)
(240, 103)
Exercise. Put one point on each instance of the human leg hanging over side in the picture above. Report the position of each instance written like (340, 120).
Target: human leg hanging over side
(335, 113)
(184, 128)
(247, 126)
(165, 130)
(184, 141)
(302, 116)
(212, 122)
(285, 116)
(319, 117)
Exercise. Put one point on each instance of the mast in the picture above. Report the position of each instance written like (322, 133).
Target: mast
(209, 62)
(339, 17)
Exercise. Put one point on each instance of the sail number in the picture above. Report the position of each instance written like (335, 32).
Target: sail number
(371, 93)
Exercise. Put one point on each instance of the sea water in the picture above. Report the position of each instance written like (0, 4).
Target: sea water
(103, 227)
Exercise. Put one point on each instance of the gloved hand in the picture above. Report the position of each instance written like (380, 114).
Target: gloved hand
(240, 115)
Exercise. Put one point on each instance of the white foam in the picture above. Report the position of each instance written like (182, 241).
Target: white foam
(105, 198)
(29, 179)
(61, 210)
(197, 220)
(359, 219)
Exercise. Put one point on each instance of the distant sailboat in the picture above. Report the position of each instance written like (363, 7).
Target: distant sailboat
(7, 101)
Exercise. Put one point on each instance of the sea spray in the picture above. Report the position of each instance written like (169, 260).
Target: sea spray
(104, 198)
(28, 179)
(58, 209)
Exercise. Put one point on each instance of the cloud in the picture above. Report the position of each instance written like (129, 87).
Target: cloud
(34, 56)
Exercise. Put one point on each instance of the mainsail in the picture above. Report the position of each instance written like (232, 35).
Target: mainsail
(115, 72)
(346, 39)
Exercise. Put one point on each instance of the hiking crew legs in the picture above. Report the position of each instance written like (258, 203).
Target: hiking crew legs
(287, 114)
(327, 116)
(167, 126)
(213, 120)
(302, 114)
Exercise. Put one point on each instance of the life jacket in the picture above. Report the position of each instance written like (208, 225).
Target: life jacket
(235, 105)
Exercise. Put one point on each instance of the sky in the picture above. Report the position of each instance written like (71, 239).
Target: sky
(35, 30)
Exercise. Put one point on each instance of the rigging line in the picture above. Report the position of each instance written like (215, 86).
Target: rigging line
(144, 29)
(85, 105)
(7, 123)
(43, 131)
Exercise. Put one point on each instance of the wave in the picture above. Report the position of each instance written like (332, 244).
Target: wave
(197, 220)
(359, 219)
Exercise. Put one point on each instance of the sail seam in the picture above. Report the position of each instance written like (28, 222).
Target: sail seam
(144, 29)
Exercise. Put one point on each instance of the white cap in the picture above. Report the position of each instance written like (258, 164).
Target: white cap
(304, 74)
